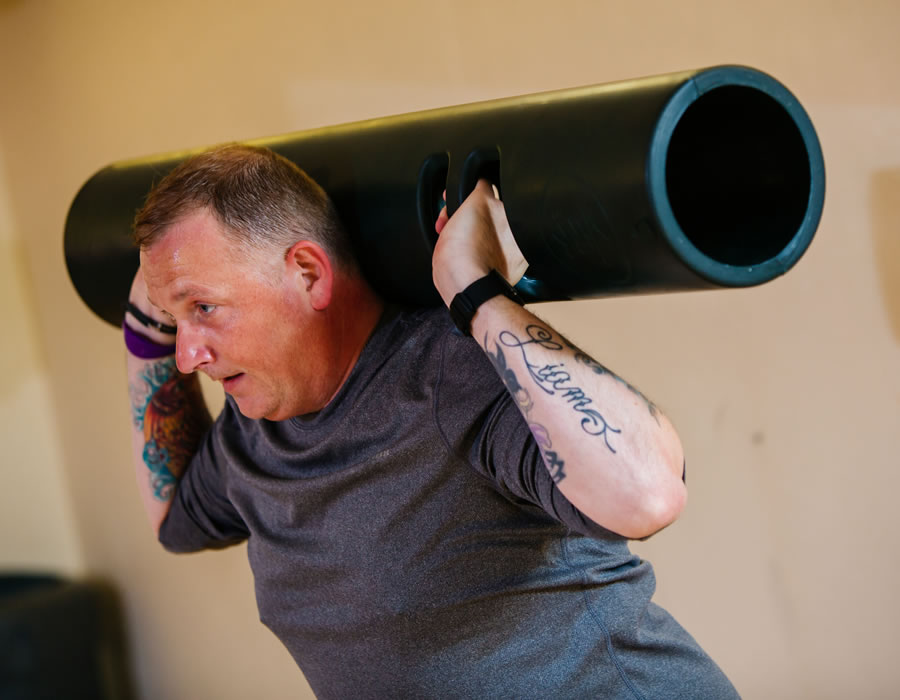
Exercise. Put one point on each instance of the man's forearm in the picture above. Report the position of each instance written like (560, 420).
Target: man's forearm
(611, 452)
(168, 420)
(168, 414)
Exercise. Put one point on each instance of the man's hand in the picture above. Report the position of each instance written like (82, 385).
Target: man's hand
(475, 240)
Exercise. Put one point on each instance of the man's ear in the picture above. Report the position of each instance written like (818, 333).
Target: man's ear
(311, 268)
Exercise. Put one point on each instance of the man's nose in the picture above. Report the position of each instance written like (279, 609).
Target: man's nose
(192, 352)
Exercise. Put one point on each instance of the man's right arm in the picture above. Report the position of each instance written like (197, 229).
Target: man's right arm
(168, 414)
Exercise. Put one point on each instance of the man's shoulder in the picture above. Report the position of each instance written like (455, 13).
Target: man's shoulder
(435, 317)
(432, 329)
(421, 326)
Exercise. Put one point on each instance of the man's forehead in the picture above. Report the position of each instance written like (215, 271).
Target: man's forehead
(170, 274)
(208, 279)
(175, 291)
(184, 246)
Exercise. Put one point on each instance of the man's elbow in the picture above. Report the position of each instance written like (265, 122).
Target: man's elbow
(667, 498)
(650, 498)
(661, 502)
(660, 509)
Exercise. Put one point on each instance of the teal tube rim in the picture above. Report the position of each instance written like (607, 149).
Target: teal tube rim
(707, 267)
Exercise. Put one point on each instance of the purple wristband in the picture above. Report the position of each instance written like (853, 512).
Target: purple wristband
(141, 346)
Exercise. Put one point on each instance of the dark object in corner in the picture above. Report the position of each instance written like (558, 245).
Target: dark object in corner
(60, 640)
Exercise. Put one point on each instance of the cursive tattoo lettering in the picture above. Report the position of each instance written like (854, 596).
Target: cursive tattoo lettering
(555, 380)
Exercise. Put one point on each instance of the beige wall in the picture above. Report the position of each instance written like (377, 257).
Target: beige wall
(36, 517)
(787, 396)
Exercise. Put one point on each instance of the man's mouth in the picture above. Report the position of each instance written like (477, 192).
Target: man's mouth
(230, 382)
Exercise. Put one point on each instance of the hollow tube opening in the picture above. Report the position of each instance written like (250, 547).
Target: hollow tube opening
(738, 176)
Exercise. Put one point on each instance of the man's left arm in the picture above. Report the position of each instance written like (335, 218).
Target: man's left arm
(613, 454)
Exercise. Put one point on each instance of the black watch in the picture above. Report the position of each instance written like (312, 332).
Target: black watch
(466, 303)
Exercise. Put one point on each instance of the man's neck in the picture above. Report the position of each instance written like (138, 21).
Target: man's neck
(356, 310)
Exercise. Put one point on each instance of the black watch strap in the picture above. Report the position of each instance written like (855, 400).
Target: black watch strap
(466, 303)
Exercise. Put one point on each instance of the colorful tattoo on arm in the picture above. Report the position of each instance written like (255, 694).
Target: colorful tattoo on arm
(555, 465)
(165, 409)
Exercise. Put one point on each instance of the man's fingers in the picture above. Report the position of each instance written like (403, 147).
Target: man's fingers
(442, 214)
(441, 220)
(486, 188)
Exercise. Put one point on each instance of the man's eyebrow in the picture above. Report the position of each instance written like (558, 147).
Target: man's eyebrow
(189, 291)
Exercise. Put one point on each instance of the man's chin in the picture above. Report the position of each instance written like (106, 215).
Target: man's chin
(254, 411)
(249, 409)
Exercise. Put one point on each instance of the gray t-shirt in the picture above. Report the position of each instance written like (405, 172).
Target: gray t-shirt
(408, 542)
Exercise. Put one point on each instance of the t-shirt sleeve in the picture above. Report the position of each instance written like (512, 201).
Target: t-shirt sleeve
(494, 438)
(201, 515)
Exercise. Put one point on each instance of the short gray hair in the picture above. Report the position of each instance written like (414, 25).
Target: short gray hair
(263, 200)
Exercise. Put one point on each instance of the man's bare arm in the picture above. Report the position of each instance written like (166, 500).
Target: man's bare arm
(168, 415)
(611, 452)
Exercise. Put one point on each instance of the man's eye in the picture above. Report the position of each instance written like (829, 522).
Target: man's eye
(206, 308)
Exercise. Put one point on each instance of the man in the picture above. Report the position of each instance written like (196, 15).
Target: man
(427, 514)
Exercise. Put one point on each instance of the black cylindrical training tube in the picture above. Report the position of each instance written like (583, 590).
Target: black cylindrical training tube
(692, 180)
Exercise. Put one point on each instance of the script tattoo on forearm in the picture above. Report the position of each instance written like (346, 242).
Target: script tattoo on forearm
(555, 380)
(598, 368)
(164, 409)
